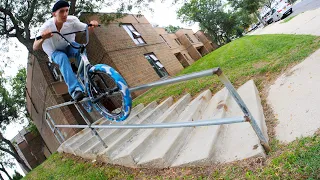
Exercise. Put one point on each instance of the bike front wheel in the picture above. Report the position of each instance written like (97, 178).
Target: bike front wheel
(115, 106)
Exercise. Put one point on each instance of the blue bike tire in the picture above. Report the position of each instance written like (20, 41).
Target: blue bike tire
(123, 89)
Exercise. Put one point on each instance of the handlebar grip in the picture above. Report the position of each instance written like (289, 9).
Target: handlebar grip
(39, 37)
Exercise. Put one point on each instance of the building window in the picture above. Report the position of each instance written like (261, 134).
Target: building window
(189, 38)
(197, 37)
(55, 72)
(134, 34)
(178, 42)
(164, 40)
(156, 64)
(185, 56)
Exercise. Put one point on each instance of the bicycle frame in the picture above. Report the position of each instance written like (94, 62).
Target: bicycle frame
(84, 62)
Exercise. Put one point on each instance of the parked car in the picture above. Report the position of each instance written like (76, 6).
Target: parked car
(267, 17)
(276, 16)
(282, 8)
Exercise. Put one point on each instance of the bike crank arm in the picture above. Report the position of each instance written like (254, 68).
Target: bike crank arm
(111, 92)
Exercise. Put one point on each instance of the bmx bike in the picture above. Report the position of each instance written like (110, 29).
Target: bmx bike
(102, 84)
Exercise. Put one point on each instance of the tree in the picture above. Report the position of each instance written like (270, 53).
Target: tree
(18, 17)
(212, 19)
(18, 84)
(5, 161)
(269, 3)
(249, 6)
(172, 29)
(10, 113)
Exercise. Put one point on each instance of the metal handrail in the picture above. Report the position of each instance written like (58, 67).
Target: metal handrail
(216, 71)
(161, 125)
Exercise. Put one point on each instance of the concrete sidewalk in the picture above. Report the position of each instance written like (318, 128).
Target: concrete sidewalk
(295, 99)
(304, 23)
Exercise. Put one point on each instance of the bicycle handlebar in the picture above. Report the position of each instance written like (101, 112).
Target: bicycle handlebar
(69, 43)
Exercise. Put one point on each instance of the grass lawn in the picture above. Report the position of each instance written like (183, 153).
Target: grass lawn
(298, 160)
(257, 57)
(262, 58)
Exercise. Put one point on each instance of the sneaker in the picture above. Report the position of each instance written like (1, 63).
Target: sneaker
(78, 95)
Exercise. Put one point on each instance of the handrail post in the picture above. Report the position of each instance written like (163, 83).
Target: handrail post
(54, 128)
(93, 130)
(245, 110)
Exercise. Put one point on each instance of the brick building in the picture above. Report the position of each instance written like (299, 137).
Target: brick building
(31, 148)
(186, 45)
(139, 52)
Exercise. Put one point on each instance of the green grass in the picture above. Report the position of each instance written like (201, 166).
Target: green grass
(243, 59)
(297, 160)
(288, 19)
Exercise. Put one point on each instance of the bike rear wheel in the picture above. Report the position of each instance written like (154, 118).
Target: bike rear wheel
(115, 104)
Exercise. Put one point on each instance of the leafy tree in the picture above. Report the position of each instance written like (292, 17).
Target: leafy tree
(268, 3)
(172, 29)
(212, 18)
(18, 17)
(249, 6)
(18, 84)
(9, 111)
(5, 162)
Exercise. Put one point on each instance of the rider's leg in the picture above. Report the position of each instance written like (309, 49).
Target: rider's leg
(74, 53)
(69, 77)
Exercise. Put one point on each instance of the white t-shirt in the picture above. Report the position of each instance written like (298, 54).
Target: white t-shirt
(56, 42)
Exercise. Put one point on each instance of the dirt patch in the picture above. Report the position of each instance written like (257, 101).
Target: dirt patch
(243, 166)
(290, 73)
(259, 65)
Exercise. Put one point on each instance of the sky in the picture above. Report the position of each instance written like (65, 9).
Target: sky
(163, 14)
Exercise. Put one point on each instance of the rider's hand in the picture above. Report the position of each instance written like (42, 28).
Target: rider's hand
(94, 24)
(46, 34)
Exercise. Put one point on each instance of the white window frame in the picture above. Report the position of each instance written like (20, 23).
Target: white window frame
(161, 71)
(134, 34)
(164, 40)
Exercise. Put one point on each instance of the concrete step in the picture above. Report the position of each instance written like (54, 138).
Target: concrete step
(161, 154)
(85, 133)
(89, 139)
(114, 141)
(135, 147)
(198, 150)
(239, 141)
(64, 147)
(176, 147)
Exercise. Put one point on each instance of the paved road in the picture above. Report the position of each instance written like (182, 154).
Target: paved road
(305, 5)
(304, 23)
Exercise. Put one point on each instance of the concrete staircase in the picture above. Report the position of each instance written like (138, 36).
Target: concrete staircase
(173, 147)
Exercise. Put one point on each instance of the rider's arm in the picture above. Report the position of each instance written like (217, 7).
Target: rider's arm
(78, 25)
(45, 35)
